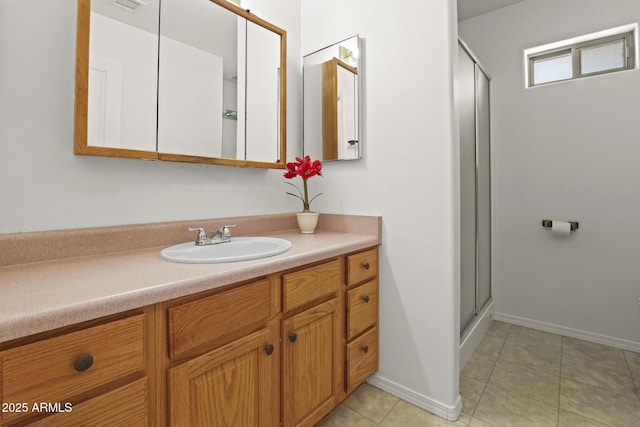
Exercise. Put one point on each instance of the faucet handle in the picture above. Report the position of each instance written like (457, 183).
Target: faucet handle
(202, 235)
(226, 233)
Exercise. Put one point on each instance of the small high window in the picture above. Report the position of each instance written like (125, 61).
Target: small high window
(603, 52)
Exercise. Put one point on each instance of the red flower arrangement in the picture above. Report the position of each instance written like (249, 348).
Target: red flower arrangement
(306, 169)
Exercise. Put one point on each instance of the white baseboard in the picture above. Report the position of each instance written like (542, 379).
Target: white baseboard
(450, 413)
(569, 332)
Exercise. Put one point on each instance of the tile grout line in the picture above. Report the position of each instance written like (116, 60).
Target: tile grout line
(583, 383)
(635, 386)
(486, 383)
(387, 414)
(532, 367)
(560, 378)
(565, 345)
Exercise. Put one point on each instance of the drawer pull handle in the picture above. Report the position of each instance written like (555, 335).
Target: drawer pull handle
(269, 349)
(365, 348)
(366, 265)
(83, 363)
(293, 337)
(365, 298)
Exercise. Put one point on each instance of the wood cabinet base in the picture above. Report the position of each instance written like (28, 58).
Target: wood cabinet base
(281, 350)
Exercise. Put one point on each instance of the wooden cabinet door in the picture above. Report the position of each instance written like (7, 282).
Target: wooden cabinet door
(234, 385)
(311, 364)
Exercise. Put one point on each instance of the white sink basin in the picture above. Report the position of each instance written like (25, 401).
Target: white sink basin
(238, 249)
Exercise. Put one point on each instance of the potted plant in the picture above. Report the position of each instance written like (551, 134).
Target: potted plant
(305, 169)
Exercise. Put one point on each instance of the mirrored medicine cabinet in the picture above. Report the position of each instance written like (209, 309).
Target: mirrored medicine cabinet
(199, 81)
(332, 101)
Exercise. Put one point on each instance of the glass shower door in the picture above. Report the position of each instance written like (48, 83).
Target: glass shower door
(472, 100)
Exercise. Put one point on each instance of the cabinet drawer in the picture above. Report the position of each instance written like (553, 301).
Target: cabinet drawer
(362, 308)
(210, 318)
(124, 406)
(362, 358)
(362, 266)
(44, 371)
(304, 286)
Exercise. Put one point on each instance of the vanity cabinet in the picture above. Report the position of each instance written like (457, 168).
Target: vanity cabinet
(279, 350)
(97, 374)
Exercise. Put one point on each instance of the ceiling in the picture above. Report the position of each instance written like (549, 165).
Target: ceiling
(470, 8)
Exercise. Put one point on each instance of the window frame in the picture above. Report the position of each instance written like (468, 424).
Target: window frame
(626, 34)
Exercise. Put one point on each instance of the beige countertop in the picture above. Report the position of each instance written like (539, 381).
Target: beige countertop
(45, 295)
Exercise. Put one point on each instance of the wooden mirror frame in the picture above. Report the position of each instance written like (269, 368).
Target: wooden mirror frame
(81, 146)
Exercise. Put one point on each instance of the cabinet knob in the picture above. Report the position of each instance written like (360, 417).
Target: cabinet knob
(293, 337)
(268, 349)
(365, 348)
(365, 298)
(83, 363)
(366, 265)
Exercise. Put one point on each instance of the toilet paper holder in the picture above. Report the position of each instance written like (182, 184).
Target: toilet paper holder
(549, 223)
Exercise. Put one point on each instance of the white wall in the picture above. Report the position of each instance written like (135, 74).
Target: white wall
(409, 176)
(566, 151)
(44, 186)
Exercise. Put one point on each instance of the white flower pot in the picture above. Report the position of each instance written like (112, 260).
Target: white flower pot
(307, 221)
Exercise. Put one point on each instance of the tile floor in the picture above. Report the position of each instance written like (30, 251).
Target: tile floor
(520, 377)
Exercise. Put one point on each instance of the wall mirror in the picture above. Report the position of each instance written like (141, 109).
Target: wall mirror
(332, 101)
(200, 81)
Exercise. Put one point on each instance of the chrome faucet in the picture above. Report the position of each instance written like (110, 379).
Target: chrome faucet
(222, 235)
